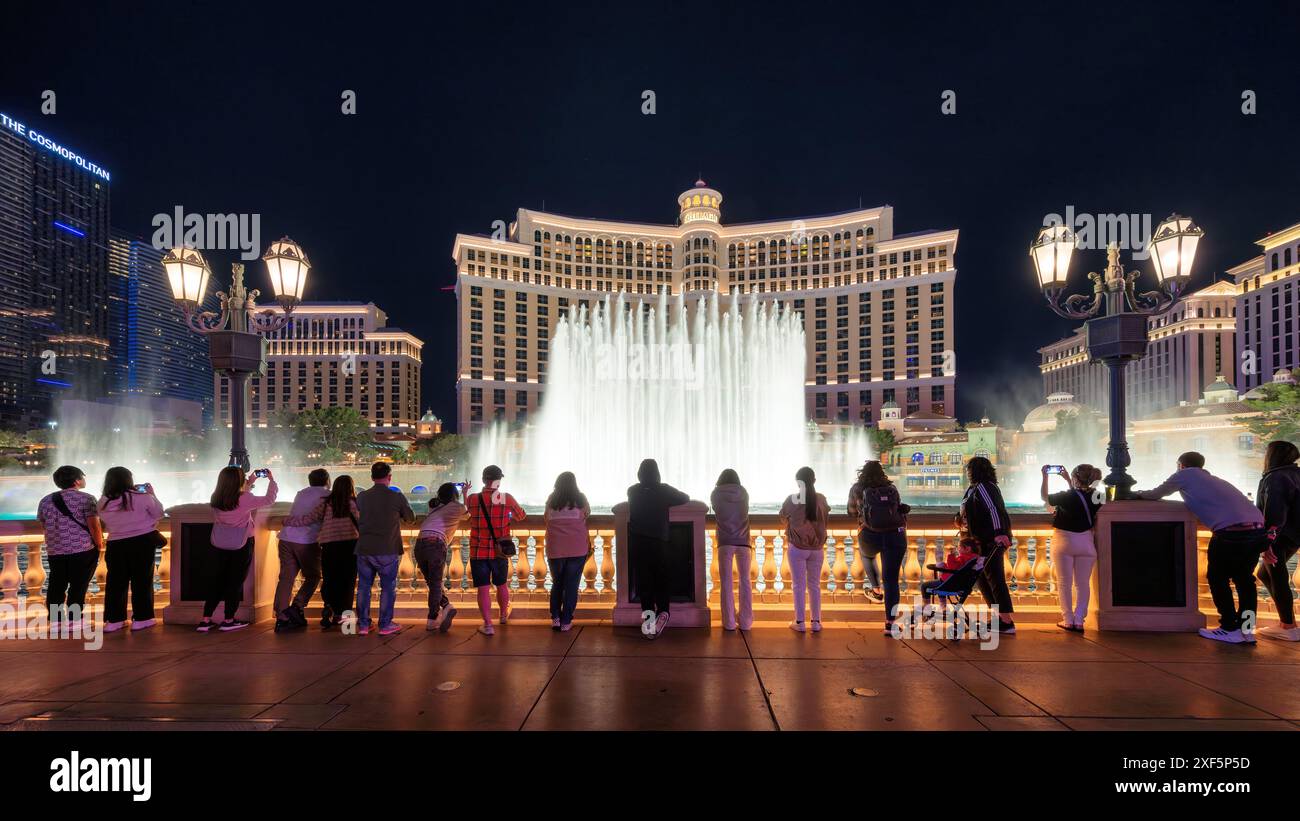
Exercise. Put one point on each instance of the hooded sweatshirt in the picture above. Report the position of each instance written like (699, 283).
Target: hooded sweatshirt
(648, 502)
(1279, 499)
(731, 513)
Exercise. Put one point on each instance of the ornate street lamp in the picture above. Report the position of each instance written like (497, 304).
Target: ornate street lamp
(235, 344)
(1116, 313)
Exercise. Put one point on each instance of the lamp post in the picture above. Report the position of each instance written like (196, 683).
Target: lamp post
(1116, 313)
(235, 343)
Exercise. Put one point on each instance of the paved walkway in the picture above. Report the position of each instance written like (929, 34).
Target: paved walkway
(601, 677)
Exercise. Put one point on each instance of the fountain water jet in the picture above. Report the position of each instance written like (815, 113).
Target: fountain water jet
(696, 387)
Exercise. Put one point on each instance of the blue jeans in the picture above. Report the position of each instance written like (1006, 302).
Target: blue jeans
(386, 568)
(892, 547)
(565, 575)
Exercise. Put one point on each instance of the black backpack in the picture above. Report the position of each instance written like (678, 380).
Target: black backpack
(880, 508)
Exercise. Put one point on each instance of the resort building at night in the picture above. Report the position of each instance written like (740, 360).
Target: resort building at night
(1191, 344)
(1267, 333)
(877, 305)
(336, 354)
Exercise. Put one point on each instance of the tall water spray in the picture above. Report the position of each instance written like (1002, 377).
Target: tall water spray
(696, 387)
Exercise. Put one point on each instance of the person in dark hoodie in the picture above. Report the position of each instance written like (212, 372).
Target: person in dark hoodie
(1278, 497)
(985, 517)
(647, 535)
(730, 502)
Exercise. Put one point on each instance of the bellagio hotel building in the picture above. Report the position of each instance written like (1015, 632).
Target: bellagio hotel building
(877, 306)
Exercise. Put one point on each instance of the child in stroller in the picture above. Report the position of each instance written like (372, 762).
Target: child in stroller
(955, 578)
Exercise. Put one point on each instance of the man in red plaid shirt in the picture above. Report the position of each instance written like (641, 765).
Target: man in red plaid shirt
(486, 568)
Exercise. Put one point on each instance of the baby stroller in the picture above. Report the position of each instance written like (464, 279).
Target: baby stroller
(954, 590)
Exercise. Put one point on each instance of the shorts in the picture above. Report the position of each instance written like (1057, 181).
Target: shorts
(483, 570)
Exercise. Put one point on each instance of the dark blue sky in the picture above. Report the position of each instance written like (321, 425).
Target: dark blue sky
(468, 111)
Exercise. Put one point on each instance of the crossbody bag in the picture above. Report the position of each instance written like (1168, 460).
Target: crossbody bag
(505, 547)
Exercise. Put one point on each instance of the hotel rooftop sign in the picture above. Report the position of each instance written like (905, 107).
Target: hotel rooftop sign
(10, 124)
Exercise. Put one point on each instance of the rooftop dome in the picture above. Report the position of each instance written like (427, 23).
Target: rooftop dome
(429, 417)
(1042, 419)
(700, 203)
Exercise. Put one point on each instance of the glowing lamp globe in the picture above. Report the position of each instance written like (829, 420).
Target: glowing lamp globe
(187, 274)
(1173, 249)
(287, 265)
(1051, 253)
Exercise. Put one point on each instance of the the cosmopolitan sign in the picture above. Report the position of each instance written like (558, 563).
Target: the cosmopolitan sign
(51, 146)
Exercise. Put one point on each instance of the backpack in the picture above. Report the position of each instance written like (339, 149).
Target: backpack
(880, 510)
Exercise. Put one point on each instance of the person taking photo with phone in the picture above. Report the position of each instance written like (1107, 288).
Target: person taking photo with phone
(1073, 552)
(233, 509)
(130, 513)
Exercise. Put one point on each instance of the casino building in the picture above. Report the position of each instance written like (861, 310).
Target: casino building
(54, 279)
(877, 306)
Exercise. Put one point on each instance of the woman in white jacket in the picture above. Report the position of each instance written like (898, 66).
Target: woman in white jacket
(730, 503)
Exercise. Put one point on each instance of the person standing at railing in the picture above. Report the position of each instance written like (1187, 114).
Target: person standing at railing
(73, 539)
(883, 518)
(379, 547)
(985, 517)
(1278, 497)
(438, 530)
(648, 502)
(730, 503)
(130, 512)
(233, 508)
(804, 516)
(299, 551)
(567, 547)
(338, 517)
(492, 512)
(868, 549)
(1073, 552)
(1238, 538)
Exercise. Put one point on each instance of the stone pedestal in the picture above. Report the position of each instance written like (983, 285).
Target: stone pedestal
(191, 527)
(691, 607)
(1146, 574)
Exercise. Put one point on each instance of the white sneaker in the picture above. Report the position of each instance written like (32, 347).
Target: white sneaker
(142, 624)
(647, 623)
(555, 624)
(1277, 631)
(487, 630)
(797, 626)
(816, 626)
(113, 626)
(661, 623)
(729, 627)
(1226, 636)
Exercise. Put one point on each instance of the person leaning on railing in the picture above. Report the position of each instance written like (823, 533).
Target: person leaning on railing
(804, 516)
(730, 503)
(1279, 499)
(73, 539)
(568, 545)
(883, 532)
(446, 514)
(337, 516)
(648, 502)
(130, 513)
(1238, 540)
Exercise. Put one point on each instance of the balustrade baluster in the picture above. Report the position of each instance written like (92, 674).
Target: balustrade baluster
(785, 590)
(406, 570)
(9, 575)
(456, 572)
(540, 568)
(769, 563)
(589, 570)
(34, 578)
(1041, 571)
(857, 570)
(715, 567)
(1022, 569)
(839, 570)
(607, 564)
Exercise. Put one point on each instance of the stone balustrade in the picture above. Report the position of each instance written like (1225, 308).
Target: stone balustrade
(1028, 567)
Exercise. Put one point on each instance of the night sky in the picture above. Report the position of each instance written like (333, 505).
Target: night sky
(468, 111)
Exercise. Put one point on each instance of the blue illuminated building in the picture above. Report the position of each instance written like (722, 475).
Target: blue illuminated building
(153, 353)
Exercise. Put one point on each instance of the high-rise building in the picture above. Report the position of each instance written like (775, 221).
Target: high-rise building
(1268, 307)
(877, 306)
(1191, 344)
(335, 354)
(154, 353)
(54, 294)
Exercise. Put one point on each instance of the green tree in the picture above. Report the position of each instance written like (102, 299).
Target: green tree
(1279, 412)
(449, 450)
(327, 435)
(882, 441)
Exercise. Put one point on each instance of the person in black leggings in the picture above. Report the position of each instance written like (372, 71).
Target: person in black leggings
(1278, 498)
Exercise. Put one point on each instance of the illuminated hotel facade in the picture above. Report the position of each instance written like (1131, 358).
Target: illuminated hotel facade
(1268, 309)
(335, 354)
(1191, 345)
(877, 306)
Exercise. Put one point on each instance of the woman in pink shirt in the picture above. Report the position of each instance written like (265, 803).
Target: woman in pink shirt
(567, 547)
(233, 506)
(130, 513)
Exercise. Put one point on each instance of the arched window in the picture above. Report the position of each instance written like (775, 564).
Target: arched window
(1286, 257)
(1274, 261)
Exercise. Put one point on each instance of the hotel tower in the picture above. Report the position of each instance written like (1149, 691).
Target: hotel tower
(876, 305)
